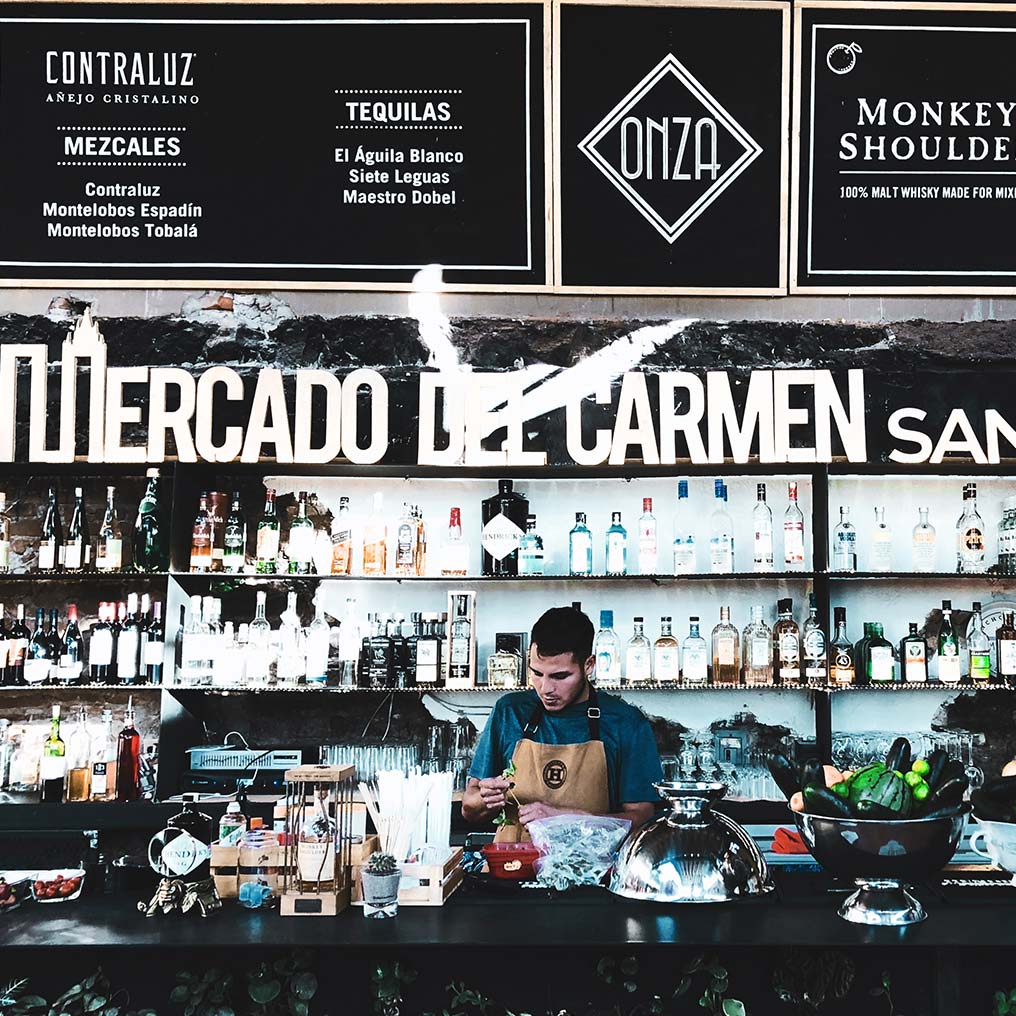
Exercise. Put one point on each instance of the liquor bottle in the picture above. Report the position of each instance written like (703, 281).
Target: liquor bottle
(638, 656)
(726, 651)
(648, 542)
(342, 540)
(79, 768)
(70, 663)
(813, 647)
(196, 661)
(695, 657)
(266, 553)
(505, 667)
(786, 645)
(949, 668)
(128, 644)
(318, 643)
(531, 550)
(153, 647)
(20, 637)
(51, 549)
(793, 531)
(201, 538)
(861, 667)
(460, 659)
(78, 549)
(40, 658)
(504, 521)
(429, 661)
(128, 758)
(1005, 649)
(103, 758)
(234, 538)
(375, 540)
(100, 647)
(880, 659)
(53, 769)
(616, 550)
(5, 536)
(455, 551)
(666, 654)
(762, 519)
(405, 543)
(970, 535)
(978, 648)
(684, 537)
(380, 656)
(420, 556)
(151, 539)
(607, 651)
(118, 622)
(349, 644)
(259, 639)
(291, 659)
(924, 552)
(580, 547)
(6, 650)
(109, 548)
(881, 543)
(841, 668)
(301, 540)
(186, 855)
(721, 534)
(914, 657)
(757, 650)
(845, 543)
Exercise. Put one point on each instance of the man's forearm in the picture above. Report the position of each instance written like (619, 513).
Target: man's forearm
(473, 808)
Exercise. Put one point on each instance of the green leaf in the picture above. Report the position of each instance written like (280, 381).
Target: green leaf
(718, 972)
(656, 1006)
(32, 1002)
(1001, 998)
(180, 993)
(1012, 997)
(682, 986)
(184, 975)
(95, 1003)
(89, 982)
(694, 964)
(304, 985)
(190, 1009)
(732, 1007)
(721, 985)
(886, 982)
(631, 987)
(111, 1010)
(704, 1001)
(629, 966)
(264, 992)
(298, 1008)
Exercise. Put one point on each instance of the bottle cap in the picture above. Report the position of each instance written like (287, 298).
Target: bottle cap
(977, 606)
(615, 518)
(580, 517)
(785, 606)
(606, 619)
(504, 486)
(682, 488)
(718, 488)
(840, 614)
(761, 489)
(947, 604)
(638, 620)
(647, 504)
(233, 808)
(666, 619)
(693, 619)
(256, 823)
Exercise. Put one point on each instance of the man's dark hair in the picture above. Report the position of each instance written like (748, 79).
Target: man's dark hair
(563, 630)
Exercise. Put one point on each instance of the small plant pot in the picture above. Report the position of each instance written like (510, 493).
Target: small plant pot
(380, 894)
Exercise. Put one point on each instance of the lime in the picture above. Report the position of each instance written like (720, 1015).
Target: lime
(841, 789)
(921, 791)
(912, 779)
(921, 767)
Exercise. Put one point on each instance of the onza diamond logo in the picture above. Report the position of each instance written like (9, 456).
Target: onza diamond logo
(670, 148)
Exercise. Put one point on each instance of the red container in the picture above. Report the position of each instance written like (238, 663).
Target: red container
(511, 860)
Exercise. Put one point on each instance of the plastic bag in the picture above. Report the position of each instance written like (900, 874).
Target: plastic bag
(576, 849)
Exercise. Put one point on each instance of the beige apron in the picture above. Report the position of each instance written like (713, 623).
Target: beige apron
(569, 776)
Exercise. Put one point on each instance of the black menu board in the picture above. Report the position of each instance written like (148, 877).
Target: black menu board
(672, 147)
(341, 145)
(905, 165)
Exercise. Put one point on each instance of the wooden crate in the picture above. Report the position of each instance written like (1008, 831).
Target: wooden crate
(423, 885)
(231, 867)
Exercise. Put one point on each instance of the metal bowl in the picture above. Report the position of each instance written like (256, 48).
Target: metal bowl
(881, 857)
(690, 854)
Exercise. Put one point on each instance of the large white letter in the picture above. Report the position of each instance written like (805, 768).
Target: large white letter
(901, 433)
(634, 396)
(269, 396)
(849, 425)
(687, 422)
(758, 416)
(453, 418)
(579, 454)
(995, 424)
(484, 391)
(784, 417)
(306, 382)
(178, 420)
(512, 417)
(353, 382)
(230, 448)
(969, 443)
(117, 414)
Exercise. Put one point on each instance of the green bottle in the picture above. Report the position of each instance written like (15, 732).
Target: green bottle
(151, 545)
(267, 553)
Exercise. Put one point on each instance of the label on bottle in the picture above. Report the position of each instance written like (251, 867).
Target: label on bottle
(844, 545)
(647, 550)
(580, 554)
(301, 544)
(608, 667)
(814, 644)
(980, 666)
(616, 564)
(503, 670)
(924, 550)
(99, 784)
(790, 656)
(197, 647)
(233, 558)
(501, 537)
(52, 767)
(268, 544)
(793, 543)
(636, 664)
(68, 669)
(695, 665)
(5, 555)
(427, 653)
(972, 542)
(315, 862)
(37, 670)
(843, 665)
(949, 666)
(72, 554)
(405, 548)
(342, 553)
(881, 552)
(154, 653)
(667, 663)
(684, 557)
(317, 657)
(110, 555)
(100, 648)
(47, 555)
(726, 648)
(880, 663)
(1007, 657)
(763, 543)
(183, 854)
(127, 655)
(460, 645)
(759, 651)
(915, 661)
(721, 554)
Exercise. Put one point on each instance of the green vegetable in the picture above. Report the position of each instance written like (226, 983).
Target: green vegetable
(873, 810)
(921, 791)
(813, 774)
(920, 767)
(899, 754)
(936, 764)
(785, 775)
(502, 818)
(865, 778)
(887, 790)
(912, 779)
(821, 801)
(841, 789)
(950, 792)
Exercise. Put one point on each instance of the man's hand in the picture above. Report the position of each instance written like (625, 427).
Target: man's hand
(493, 791)
(537, 810)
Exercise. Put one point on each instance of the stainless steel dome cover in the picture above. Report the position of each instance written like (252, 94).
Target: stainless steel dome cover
(690, 854)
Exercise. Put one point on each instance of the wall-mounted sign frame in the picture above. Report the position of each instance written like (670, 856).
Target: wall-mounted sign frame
(671, 124)
(904, 148)
(301, 146)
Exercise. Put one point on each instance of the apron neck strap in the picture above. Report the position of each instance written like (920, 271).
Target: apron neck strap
(592, 714)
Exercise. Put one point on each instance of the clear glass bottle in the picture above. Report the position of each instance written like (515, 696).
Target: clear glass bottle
(881, 543)
(78, 548)
(266, 551)
(455, 552)
(234, 549)
(793, 531)
(79, 769)
(949, 665)
(1005, 649)
(259, 642)
(151, 538)
(504, 668)
(318, 644)
(196, 663)
(924, 548)
(813, 647)
(841, 669)
(978, 648)
(201, 537)
(914, 657)
(726, 651)
(762, 519)
(342, 540)
(666, 655)
(638, 666)
(580, 547)
(616, 547)
(648, 539)
(694, 657)
(405, 543)
(844, 557)
(51, 545)
(684, 535)
(786, 645)
(880, 657)
(721, 533)
(109, 549)
(970, 535)
(531, 550)
(757, 650)
(53, 768)
(420, 556)
(460, 662)
(103, 760)
(375, 539)
(607, 653)
(290, 658)
(350, 640)
(301, 540)
(5, 536)
(316, 846)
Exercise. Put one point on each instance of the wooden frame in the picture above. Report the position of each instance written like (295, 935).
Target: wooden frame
(887, 289)
(778, 290)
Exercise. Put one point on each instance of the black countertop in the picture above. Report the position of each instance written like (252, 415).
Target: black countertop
(801, 912)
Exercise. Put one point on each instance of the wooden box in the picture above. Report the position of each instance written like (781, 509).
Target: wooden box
(423, 885)
(232, 866)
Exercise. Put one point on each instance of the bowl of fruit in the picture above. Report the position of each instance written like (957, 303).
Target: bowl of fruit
(59, 886)
(883, 826)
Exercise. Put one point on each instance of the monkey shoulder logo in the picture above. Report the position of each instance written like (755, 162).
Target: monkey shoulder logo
(670, 148)
(555, 774)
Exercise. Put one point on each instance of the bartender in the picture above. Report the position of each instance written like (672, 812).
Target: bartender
(568, 749)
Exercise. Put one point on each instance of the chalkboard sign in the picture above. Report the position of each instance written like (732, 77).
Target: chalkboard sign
(671, 143)
(905, 157)
(338, 145)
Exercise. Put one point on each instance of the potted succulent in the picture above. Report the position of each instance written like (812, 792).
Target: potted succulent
(380, 878)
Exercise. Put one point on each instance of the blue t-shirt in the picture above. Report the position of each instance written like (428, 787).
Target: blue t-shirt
(633, 763)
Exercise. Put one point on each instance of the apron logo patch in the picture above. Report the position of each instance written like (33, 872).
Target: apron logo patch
(555, 773)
